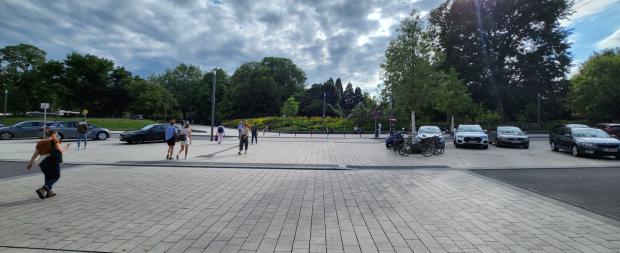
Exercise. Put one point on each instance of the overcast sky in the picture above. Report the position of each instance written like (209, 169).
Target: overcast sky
(326, 38)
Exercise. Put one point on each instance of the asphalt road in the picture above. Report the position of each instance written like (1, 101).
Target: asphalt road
(12, 169)
(594, 189)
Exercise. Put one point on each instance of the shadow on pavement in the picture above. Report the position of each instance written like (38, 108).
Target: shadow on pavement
(594, 189)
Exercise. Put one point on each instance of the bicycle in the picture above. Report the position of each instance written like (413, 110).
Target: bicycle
(405, 148)
(431, 146)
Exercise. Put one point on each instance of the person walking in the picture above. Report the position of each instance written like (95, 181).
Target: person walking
(171, 138)
(49, 151)
(82, 129)
(239, 127)
(220, 134)
(254, 134)
(185, 139)
(243, 138)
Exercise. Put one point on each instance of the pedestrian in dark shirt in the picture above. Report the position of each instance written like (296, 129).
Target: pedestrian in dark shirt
(254, 134)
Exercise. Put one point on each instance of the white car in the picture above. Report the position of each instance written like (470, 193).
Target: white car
(471, 135)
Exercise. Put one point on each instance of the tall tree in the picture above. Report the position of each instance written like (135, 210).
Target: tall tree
(595, 91)
(253, 92)
(184, 82)
(348, 99)
(339, 90)
(410, 64)
(286, 74)
(88, 77)
(290, 107)
(506, 51)
(18, 66)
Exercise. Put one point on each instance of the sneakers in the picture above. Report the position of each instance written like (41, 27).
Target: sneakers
(239, 153)
(40, 192)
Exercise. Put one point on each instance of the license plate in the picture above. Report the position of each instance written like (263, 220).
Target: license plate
(609, 150)
(515, 142)
(472, 142)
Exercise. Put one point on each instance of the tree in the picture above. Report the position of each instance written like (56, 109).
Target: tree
(286, 74)
(339, 91)
(409, 66)
(184, 82)
(360, 115)
(451, 96)
(18, 67)
(88, 79)
(594, 91)
(348, 99)
(290, 107)
(506, 51)
(150, 98)
(253, 92)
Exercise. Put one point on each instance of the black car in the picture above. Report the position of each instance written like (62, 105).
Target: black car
(149, 133)
(509, 136)
(580, 140)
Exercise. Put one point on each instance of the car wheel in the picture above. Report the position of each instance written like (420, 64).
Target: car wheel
(388, 146)
(553, 146)
(139, 140)
(526, 146)
(102, 136)
(575, 151)
(485, 147)
(6, 136)
(618, 157)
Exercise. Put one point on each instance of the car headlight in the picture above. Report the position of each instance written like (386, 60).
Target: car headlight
(589, 145)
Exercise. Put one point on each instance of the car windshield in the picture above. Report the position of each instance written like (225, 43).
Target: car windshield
(590, 133)
(509, 130)
(429, 130)
(147, 127)
(470, 128)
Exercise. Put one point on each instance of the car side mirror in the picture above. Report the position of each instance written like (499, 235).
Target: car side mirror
(567, 135)
(485, 131)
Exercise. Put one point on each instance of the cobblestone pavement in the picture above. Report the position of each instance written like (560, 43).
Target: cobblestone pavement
(337, 152)
(155, 209)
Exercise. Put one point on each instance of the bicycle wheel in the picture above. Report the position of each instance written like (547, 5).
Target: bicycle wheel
(404, 149)
(440, 149)
(428, 150)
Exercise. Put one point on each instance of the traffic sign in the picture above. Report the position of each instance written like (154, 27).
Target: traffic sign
(45, 105)
(84, 112)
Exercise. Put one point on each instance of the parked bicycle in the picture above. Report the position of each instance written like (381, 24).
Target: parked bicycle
(431, 146)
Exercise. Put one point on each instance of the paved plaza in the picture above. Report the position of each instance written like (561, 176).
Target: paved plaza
(112, 200)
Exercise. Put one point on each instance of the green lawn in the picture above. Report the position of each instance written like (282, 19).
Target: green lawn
(112, 124)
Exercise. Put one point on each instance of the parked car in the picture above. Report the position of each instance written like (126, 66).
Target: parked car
(430, 131)
(152, 132)
(68, 130)
(24, 129)
(583, 141)
(395, 137)
(509, 136)
(612, 129)
(471, 135)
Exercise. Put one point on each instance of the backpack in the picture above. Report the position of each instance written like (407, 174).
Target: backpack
(220, 129)
(182, 135)
(82, 128)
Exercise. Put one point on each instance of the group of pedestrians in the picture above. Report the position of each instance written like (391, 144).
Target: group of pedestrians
(181, 134)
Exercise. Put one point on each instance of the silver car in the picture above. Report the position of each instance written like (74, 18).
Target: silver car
(509, 136)
(68, 130)
(24, 129)
(471, 135)
(430, 131)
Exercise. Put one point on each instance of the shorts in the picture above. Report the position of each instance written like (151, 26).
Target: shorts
(171, 142)
(185, 142)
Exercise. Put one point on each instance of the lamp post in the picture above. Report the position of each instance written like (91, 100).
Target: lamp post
(213, 102)
(323, 104)
(6, 95)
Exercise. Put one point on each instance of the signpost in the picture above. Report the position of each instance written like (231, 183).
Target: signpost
(44, 106)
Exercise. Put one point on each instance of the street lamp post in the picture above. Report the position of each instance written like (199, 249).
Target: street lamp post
(213, 102)
(323, 104)
(6, 95)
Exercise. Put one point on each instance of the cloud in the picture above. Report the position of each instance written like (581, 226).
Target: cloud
(610, 41)
(326, 38)
(586, 8)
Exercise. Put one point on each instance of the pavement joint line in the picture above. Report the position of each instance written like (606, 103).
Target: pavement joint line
(54, 249)
(607, 219)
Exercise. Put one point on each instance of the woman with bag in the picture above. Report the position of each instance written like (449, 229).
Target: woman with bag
(50, 153)
(244, 133)
(185, 138)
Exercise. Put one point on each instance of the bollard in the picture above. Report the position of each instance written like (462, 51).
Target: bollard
(310, 133)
